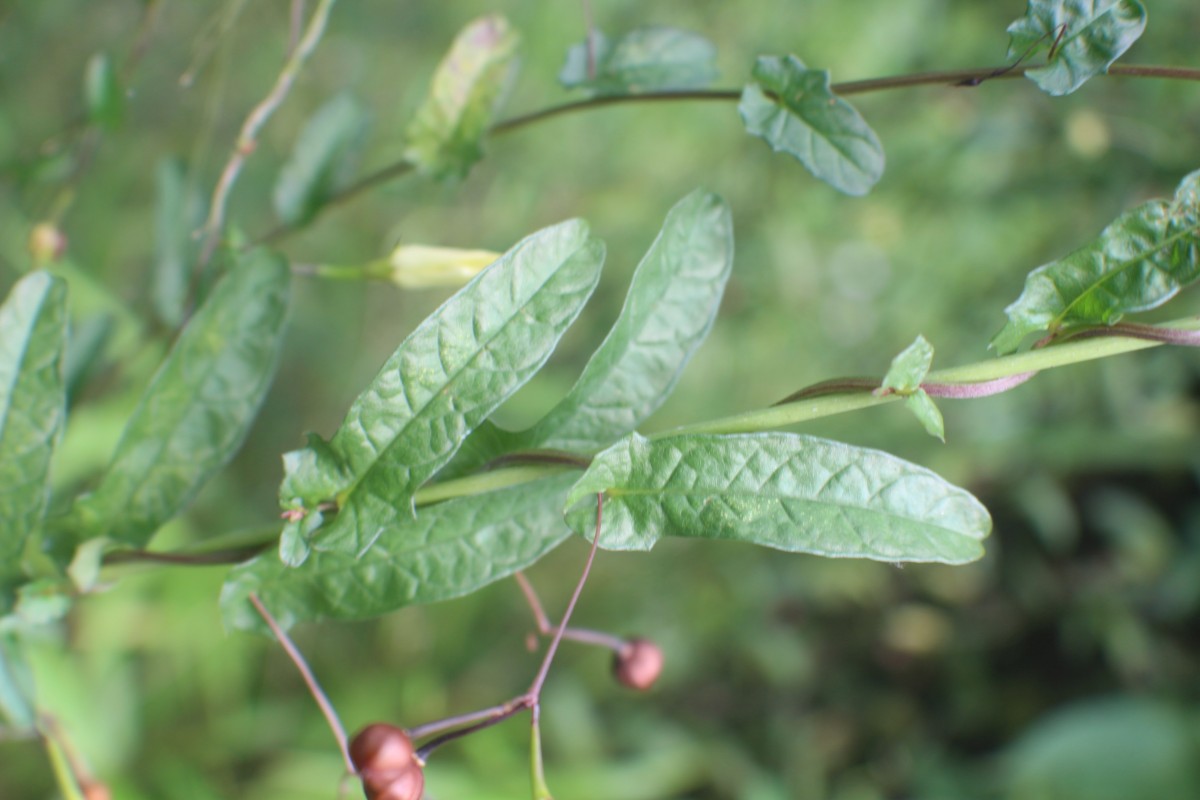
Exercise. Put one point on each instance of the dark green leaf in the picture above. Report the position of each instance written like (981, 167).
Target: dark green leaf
(1082, 38)
(179, 213)
(672, 302)
(793, 109)
(103, 94)
(199, 406)
(322, 161)
(450, 549)
(643, 60)
(447, 377)
(790, 492)
(445, 137)
(1137, 263)
(33, 332)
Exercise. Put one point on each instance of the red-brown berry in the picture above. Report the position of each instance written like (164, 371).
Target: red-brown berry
(638, 664)
(387, 763)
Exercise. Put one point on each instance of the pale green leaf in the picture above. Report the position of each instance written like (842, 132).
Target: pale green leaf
(793, 109)
(643, 60)
(671, 305)
(450, 549)
(33, 334)
(322, 161)
(910, 367)
(178, 214)
(1082, 38)
(447, 377)
(780, 490)
(198, 407)
(16, 684)
(1138, 262)
(445, 138)
(927, 413)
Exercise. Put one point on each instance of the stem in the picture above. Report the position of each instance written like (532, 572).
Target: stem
(248, 136)
(310, 680)
(484, 482)
(583, 635)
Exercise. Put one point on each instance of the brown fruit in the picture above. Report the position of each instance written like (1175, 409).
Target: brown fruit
(638, 664)
(387, 764)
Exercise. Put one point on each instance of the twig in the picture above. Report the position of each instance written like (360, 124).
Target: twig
(248, 136)
(584, 635)
(310, 680)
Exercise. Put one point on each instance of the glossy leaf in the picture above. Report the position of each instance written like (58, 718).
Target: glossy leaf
(445, 137)
(33, 338)
(793, 109)
(322, 161)
(1137, 263)
(643, 60)
(671, 305)
(102, 93)
(450, 549)
(447, 377)
(199, 406)
(786, 491)
(178, 214)
(1081, 39)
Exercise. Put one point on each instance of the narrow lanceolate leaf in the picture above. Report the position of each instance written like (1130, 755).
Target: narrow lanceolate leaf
(33, 334)
(199, 406)
(445, 379)
(450, 549)
(103, 93)
(643, 60)
(786, 491)
(322, 161)
(1081, 39)
(793, 109)
(1137, 263)
(671, 304)
(927, 413)
(178, 213)
(445, 137)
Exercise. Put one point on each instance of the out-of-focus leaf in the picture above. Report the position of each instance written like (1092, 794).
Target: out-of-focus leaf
(672, 302)
(447, 377)
(1082, 38)
(179, 212)
(450, 549)
(102, 93)
(16, 684)
(1138, 262)
(1107, 749)
(33, 334)
(643, 60)
(86, 346)
(199, 406)
(786, 491)
(905, 376)
(322, 161)
(793, 109)
(445, 138)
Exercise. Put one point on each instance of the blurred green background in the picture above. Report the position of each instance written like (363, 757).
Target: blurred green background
(1065, 664)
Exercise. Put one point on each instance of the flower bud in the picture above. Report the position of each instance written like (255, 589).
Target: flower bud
(47, 243)
(416, 266)
(638, 664)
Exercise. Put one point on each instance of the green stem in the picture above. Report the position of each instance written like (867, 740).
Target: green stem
(485, 482)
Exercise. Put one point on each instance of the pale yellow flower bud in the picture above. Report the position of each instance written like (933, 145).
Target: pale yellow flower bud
(415, 266)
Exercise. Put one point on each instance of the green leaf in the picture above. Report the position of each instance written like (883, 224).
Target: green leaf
(445, 137)
(781, 490)
(16, 684)
(322, 161)
(1138, 262)
(102, 93)
(447, 377)
(793, 109)
(909, 368)
(671, 305)
(33, 336)
(643, 60)
(927, 413)
(450, 549)
(199, 406)
(1082, 38)
(179, 212)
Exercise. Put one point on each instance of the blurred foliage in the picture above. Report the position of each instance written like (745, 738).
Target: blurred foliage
(1069, 651)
